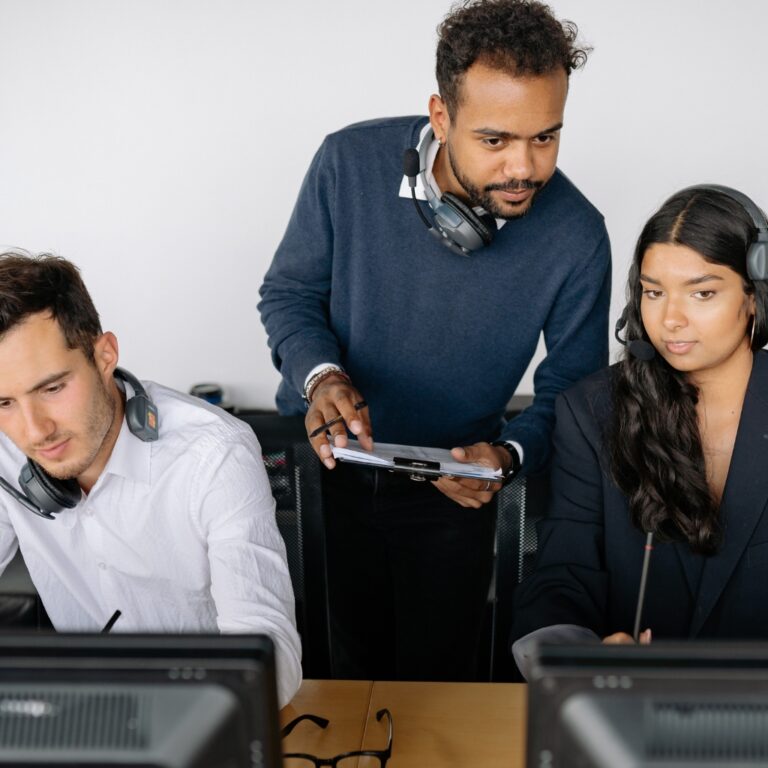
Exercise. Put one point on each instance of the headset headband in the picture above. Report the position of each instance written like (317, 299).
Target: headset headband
(757, 255)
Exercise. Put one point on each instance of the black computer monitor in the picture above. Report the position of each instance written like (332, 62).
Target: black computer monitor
(666, 705)
(145, 701)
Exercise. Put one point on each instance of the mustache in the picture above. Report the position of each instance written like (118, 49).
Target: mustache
(514, 185)
(50, 441)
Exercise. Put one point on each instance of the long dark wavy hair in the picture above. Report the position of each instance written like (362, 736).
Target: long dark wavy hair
(655, 447)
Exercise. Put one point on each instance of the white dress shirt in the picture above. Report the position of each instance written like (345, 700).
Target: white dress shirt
(179, 534)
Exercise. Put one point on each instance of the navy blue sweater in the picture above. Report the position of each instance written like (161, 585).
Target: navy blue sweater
(435, 342)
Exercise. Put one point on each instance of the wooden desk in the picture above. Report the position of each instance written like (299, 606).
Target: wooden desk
(436, 725)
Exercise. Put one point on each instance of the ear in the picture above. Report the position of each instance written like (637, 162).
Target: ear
(438, 117)
(105, 355)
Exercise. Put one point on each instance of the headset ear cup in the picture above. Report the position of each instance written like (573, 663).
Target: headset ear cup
(48, 492)
(140, 412)
(484, 226)
(757, 261)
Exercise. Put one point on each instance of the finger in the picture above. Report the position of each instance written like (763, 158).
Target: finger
(479, 453)
(315, 421)
(618, 638)
(475, 488)
(365, 435)
(458, 492)
(461, 500)
(645, 637)
(356, 419)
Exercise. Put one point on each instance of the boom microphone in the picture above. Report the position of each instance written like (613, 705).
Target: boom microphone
(638, 348)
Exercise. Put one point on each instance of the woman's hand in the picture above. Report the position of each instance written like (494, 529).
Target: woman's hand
(622, 638)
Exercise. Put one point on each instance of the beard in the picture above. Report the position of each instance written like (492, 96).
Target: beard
(481, 196)
(97, 427)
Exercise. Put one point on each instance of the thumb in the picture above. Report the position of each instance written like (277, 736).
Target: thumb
(462, 454)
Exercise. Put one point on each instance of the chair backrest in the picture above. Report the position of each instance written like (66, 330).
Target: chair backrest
(294, 476)
(520, 505)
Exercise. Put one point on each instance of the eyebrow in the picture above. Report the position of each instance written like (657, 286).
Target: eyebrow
(510, 135)
(48, 380)
(693, 281)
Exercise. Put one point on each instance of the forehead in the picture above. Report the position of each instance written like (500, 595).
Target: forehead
(678, 263)
(523, 105)
(32, 350)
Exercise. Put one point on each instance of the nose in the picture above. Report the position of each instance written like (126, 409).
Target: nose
(674, 317)
(518, 161)
(37, 424)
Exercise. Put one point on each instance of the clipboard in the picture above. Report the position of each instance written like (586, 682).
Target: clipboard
(419, 462)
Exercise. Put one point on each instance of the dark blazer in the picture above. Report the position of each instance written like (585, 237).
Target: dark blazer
(590, 556)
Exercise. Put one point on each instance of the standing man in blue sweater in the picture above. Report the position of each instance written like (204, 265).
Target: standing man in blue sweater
(362, 305)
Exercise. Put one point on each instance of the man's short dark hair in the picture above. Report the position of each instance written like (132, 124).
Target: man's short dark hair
(46, 283)
(521, 37)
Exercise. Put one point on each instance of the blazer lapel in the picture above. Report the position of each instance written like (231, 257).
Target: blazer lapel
(744, 497)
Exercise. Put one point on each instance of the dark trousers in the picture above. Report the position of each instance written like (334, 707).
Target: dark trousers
(408, 577)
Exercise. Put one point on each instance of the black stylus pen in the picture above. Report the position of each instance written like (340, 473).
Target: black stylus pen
(111, 623)
(323, 427)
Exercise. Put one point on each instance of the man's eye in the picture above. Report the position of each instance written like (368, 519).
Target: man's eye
(704, 294)
(5, 403)
(53, 389)
(492, 141)
(546, 138)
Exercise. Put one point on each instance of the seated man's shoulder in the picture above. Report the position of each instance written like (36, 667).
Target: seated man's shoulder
(191, 421)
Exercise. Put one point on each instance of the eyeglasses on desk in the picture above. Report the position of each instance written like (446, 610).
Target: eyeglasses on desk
(345, 759)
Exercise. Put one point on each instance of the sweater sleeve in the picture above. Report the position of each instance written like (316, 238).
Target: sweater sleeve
(295, 295)
(576, 338)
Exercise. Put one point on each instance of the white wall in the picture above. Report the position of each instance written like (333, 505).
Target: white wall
(160, 144)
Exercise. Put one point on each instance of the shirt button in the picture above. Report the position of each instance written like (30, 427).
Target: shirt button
(103, 566)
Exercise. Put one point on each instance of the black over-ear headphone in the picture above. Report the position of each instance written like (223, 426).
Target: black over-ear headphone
(457, 226)
(757, 261)
(45, 495)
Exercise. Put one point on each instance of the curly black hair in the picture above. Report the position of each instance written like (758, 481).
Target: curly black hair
(522, 37)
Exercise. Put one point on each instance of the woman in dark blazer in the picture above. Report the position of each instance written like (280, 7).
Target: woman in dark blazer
(676, 445)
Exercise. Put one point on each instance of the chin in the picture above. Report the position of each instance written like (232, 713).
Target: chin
(64, 471)
(511, 212)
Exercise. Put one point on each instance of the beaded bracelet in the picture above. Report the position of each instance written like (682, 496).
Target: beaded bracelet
(320, 376)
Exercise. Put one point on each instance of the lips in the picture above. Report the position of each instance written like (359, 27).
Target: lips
(518, 196)
(679, 347)
(54, 451)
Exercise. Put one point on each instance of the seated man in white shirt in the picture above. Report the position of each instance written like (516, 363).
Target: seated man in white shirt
(159, 505)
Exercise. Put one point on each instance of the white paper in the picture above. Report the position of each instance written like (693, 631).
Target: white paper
(384, 454)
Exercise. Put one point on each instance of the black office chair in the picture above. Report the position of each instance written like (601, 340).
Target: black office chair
(20, 605)
(519, 506)
(294, 475)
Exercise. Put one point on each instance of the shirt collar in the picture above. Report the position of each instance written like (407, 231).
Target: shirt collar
(405, 188)
(131, 458)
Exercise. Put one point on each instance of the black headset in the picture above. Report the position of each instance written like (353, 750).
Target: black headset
(757, 262)
(460, 228)
(45, 495)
